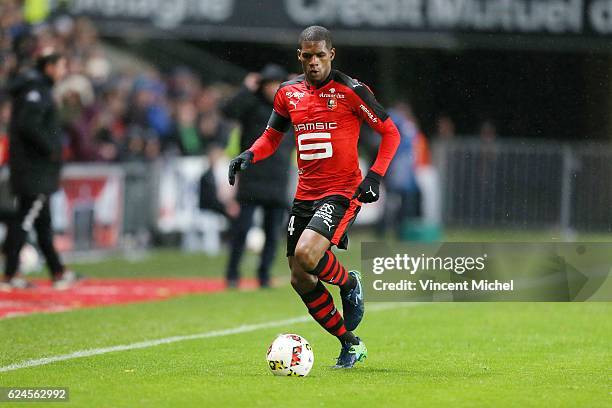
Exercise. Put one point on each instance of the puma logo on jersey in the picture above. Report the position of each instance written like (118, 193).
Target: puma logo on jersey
(294, 103)
(329, 226)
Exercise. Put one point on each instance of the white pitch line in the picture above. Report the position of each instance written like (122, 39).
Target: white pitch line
(174, 339)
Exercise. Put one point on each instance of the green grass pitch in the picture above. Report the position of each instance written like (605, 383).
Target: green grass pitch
(487, 354)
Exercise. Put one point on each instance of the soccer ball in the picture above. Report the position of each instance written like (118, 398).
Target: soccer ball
(290, 355)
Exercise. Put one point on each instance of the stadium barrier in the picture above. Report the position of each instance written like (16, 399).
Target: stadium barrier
(525, 184)
(110, 207)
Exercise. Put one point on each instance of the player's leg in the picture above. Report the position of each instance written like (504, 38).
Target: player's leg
(299, 217)
(304, 247)
(314, 255)
(240, 229)
(332, 219)
(314, 294)
(319, 301)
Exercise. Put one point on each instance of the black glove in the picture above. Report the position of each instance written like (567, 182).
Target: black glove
(369, 189)
(239, 163)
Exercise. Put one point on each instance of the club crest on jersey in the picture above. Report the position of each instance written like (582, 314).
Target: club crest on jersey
(332, 104)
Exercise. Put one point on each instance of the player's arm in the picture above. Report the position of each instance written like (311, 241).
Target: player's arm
(370, 110)
(267, 143)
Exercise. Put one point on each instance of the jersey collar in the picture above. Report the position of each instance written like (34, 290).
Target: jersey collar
(330, 77)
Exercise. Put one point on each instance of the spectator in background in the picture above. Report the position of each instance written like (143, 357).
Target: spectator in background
(208, 135)
(98, 67)
(35, 162)
(445, 127)
(486, 169)
(200, 130)
(213, 130)
(265, 185)
(198, 134)
(186, 133)
(8, 62)
(15, 30)
(184, 84)
(208, 100)
(487, 131)
(78, 117)
(111, 126)
(209, 197)
(444, 139)
(403, 199)
(148, 118)
(142, 144)
(23, 47)
(84, 37)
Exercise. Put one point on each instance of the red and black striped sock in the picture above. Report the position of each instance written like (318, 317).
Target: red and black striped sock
(330, 270)
(320, 305)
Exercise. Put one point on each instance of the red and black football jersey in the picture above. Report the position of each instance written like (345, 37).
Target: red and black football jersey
(326, 122)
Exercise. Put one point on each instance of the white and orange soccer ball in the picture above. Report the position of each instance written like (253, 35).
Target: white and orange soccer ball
(290, 355)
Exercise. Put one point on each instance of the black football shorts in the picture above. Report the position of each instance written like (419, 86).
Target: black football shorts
(330, 216)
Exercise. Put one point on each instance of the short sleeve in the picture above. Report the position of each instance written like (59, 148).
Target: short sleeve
(280, 104)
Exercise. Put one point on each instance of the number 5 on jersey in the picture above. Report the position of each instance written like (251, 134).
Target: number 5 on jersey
(325, 146)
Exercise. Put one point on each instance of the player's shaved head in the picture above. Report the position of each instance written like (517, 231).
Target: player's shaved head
(316, 33)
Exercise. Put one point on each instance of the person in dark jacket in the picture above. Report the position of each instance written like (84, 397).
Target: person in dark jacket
(35, 162)
(266, 186)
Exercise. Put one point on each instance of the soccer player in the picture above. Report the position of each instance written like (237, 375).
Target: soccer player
(326, 108)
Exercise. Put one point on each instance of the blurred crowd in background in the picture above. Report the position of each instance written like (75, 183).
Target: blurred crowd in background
(110, 114)
(113, 114)
(117, 112)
